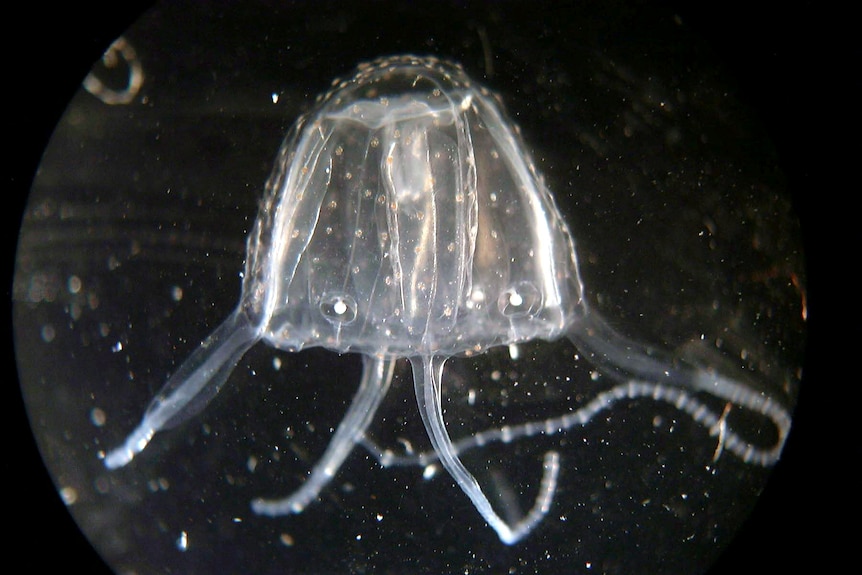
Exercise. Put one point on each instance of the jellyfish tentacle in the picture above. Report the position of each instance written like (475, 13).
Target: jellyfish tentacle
(196, 382)
(645, 372)
(376, 378)
(427, 375)
(737, 395)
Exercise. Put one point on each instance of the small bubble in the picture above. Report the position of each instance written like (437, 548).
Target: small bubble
(158, 484)
(73, 284)
(286, 539)
(48, 333)
(69, 495)
(98, 417)
(176, 293)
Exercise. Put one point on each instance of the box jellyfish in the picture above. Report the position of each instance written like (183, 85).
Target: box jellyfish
(404, 218)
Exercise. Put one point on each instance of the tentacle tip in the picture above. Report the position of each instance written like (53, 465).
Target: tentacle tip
(258, 506)
(276, 508)
(117, 458)
(134, 444)
(509, 539)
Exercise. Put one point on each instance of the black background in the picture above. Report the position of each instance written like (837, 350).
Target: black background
(787, 63)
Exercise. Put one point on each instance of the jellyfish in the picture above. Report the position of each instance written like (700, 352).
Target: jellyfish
(405, 218)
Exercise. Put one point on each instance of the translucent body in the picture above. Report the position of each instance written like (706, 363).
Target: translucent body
(399, 206)
(404, 218)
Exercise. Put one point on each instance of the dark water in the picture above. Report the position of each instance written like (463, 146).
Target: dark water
(141, 240)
